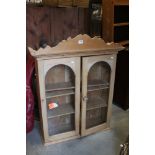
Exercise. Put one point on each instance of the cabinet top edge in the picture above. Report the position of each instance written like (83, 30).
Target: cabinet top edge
(83, 44)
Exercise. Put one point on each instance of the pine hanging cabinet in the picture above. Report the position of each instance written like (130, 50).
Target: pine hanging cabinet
(78, 75)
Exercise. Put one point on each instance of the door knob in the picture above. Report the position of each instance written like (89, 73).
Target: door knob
(85, 98)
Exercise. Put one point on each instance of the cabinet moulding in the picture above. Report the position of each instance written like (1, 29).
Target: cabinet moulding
(78, 44)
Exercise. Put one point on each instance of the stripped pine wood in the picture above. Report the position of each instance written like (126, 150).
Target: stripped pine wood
(79, 44)
(83, 108)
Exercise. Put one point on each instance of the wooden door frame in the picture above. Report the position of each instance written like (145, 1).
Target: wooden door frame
(42, 67)
(87, 63)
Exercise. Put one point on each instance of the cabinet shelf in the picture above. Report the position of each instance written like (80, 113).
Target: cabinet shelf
(121, 24)
(97, 83)
(64, 109)
(96, 102)
(59, 86)
(59, 93)
(94, 88)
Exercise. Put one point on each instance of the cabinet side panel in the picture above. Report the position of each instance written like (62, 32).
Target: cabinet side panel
(39, 101)
(41, 86)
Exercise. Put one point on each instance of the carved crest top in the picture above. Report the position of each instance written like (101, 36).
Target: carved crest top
(79, 44)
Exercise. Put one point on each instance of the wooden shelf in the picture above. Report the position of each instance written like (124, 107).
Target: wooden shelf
(96, 102)
(59, 86)
(94, 88)
(121, 24)
(64, 109)
(97, 83)
(121, 2)
(59, 93)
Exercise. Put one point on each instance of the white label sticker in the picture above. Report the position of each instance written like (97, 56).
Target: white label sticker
(80, 42)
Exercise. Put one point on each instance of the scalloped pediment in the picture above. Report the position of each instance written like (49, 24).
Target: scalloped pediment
(79, 44)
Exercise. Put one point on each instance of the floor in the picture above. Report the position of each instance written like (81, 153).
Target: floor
(102, 143)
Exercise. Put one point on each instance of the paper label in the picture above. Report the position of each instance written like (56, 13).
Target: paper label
(80, 42)
(52, 105)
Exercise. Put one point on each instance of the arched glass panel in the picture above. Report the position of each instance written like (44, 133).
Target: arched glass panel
(97, 93)
(60, 99)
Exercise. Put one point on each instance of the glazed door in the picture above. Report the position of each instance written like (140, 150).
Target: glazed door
(60, 97)
(97, 91)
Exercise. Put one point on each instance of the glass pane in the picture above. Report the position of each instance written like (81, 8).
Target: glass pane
(60, 99)
(96, 117)
(98, 92)
(61, 124)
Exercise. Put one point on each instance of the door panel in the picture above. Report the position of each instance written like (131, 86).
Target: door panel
(61, 97)
(97, 76)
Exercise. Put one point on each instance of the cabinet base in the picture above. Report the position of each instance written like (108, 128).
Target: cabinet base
(73, 137)
(61, 140)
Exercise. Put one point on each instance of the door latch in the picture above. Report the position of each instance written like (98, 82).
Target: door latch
(85, 98)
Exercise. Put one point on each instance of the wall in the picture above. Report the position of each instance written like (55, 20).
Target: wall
(53, 24)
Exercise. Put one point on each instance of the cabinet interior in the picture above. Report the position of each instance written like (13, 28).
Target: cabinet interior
(60, 89)
(97, 93)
